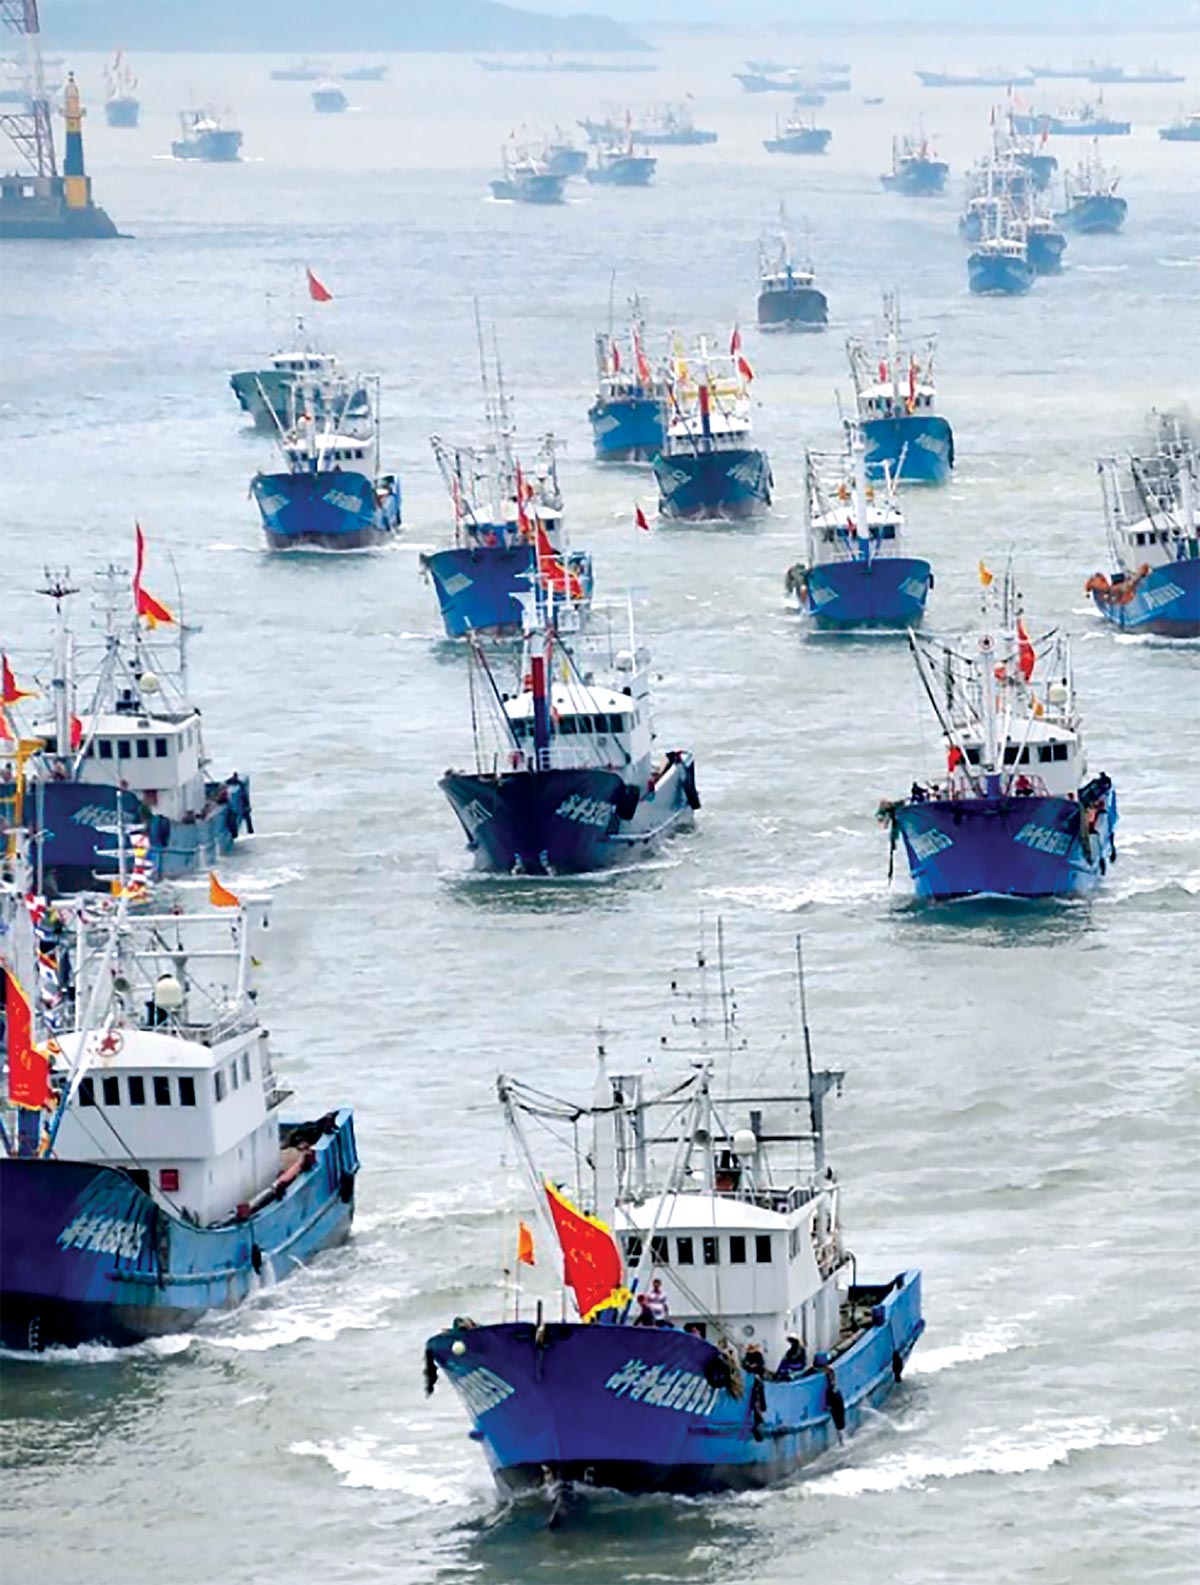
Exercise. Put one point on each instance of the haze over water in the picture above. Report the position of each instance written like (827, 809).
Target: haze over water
(1020, 1110)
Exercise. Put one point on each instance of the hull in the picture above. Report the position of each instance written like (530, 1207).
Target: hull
(549, 188)
(713, 484)
(811, 141)
(87, 1257)
(1165, 602)
(1189, 132)
(1041, 168)
(323, 511)
(796, 308)
(218, 148)
(122, 112)
(918, 178)
(477, 588)
(629, 429)
(917, 448)
(1034, 126)
(78, 822)
(888, 591)
(632, 170)
(567, 162)
(632, 1408)
(961, 80)
(266, 396)
(1006, 846)
(1095, 215)
(330, 104)
(992, 276)
(1046, 249)
(567, 822)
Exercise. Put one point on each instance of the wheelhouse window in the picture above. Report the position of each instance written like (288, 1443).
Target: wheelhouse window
(246, 1066)
(110, 1088)
(762, 1248)
(123, 748)
(233, 1075)
(187, 1091)
(105, 748)
(660, 1252)
(633, 1248)
(162, 1090)
(137, 1090)
(160, 747)
(87, 1092)
(710, 1249)
(218, 1085)
(143, 748)
(684, 1252)
(737, 1250)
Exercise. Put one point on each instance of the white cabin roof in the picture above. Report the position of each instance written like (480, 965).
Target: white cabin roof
(670, 1212)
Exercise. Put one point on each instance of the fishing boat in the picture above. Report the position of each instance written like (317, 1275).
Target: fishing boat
(620, 165)
(1016, 813)
(528, 179)
(302, 71)
(1079, 72)
(997, 77)
(121, 103)
(1029, 153)
(561, 157)
(670, 125)
(627, 413)
(916, 170)
(204, 138)
(1185, 130)
(1085, 120)
(997, 186)
(1044, 239)
(106, 752)
(1091, 203)
(998, 265)
(331, 493)
(788, 295)
(550, 64)
(567, 776)
(721, 1337)
(895, 398)
(1155, 75)
(708, 467)
(855, 575)
(329, 98)
(302, 372)
(1152, 516)
(368, 73)
(505, 516)
(798, 136)
(149, 1171)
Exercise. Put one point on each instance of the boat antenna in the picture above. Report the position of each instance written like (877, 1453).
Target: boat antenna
(488, 410)
(820, 1081)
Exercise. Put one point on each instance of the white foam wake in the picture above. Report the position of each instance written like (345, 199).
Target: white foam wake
(974, 1346)
(359, 1462)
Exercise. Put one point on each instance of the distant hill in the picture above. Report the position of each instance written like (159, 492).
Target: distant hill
(330, 26)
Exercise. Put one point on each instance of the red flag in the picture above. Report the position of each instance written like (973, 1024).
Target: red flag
(643, 368)
(954, 758)
(144, 603)
(883, 372)
(639, 518)
(735, 342)
(28, 1068)
(318, 292)
(592, 1264)
(744, 369)
(553, 573)
(616, 358)
(523, 494)
(1026, 659)
(524, 1246)
(5, 730)
(76, 733)
(10, 691)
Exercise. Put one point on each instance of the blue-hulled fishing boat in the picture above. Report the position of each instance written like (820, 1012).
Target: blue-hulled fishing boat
(149, 1173)
(1016, 813)
(627, 413)
(855, 574)
(505, 517)
(896, 404)
(567, 776)
(788, 295)
(113, 755)
(1044, 241)
(561, 156)
(329, 98)
(1086, 120)
(997, 77)
(798, 136)
(1091, 203)
(708, 467)
(331, 493)
(1151, 507)
(528, 177)
(670, 125)
(916, 170)
(203, 137)
(723, 1337)
(1185, 130)
(300, 374)
(122, 106)
(999, 266)
(621, 165)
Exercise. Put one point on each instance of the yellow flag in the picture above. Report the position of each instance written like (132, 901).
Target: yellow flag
(220, 896)
(985, 574)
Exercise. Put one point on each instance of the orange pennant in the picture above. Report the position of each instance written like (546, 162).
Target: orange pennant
(220, 896)
(524, 1245)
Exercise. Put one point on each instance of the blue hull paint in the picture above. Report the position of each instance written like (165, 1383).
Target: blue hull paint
(537, 822)
(1165, 602)
(78, 823)
(477, 588)
(630, 1407)
(628, 429)
(713, 484)
(887, 591)
(925, 440)
(87, 1257)
(1008, 847)
(1046, 249)
(324, 511)
(998, 277)
(918, 178)
(1099, 215)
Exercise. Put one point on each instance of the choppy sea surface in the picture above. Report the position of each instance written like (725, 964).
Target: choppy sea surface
(1020, 1112)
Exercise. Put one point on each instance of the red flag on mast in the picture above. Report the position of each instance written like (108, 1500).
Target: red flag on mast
(144, 603)
(28, 1067)
(592, 1264)
(317, 290)
(735, 342)
(639, 518)
(1026, 658)
(10, 691)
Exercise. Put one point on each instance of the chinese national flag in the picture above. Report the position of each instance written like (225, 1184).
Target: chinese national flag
(220, 896)
(592, 1263)
(524, 1246)
(144, 602)
(28, 1068)
(10, 691)
(317, 291)
(1026, 658)
(554, 574)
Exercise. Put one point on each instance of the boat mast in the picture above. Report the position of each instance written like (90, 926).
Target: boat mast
(820, 1081)
(60, 589)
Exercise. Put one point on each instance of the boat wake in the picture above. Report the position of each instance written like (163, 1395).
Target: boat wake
(105, 1353)
(1037, 1447)
(363, 1461)
(985, 1343)
(795, 899)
